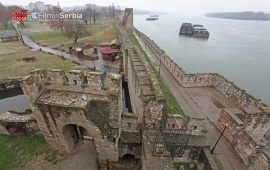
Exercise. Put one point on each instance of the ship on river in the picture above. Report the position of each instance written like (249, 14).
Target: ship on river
(195, 30)
(152, 19)
(186, 29)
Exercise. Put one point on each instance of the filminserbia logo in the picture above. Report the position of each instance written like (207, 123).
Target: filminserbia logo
(22, 15)
(26, 15)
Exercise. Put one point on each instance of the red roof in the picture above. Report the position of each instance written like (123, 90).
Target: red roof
(107, 51)
(89, 45)
(115, 41)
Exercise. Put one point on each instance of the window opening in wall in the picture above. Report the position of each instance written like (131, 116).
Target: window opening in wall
(195, 127)
(75, 82)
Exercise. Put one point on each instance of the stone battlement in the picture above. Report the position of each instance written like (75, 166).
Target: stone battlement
(74, 80)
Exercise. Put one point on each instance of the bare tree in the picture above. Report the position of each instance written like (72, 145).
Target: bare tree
(4, 16)
(85, 15)
(75, 29)
(90, 12)
(57, 23)
(94, 14)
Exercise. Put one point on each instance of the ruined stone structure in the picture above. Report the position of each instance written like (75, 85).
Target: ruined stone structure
(248, 133)
(63, 101)
(18, 122)
(248, 123)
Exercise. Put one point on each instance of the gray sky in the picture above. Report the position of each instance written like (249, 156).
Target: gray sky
(180, 6)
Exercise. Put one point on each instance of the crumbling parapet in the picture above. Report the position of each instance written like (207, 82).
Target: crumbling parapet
(18, 122)
(229, 118)
(246, 130)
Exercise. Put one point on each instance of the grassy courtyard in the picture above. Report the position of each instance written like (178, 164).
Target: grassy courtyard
(12, 65)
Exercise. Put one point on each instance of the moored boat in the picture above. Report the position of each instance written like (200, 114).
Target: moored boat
(196, 30)
(200, 31)
(152, 19)
(186, 28)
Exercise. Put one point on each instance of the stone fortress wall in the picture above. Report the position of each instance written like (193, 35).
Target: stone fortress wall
(147, 103)
(145, 93)
(248, 123)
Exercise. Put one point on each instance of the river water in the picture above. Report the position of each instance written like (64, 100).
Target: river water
(239, 50)
(12, 99)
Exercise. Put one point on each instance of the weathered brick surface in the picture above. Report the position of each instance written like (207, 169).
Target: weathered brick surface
(246, 132)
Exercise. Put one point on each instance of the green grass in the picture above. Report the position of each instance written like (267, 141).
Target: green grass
(107, 36)
(171, 105)
(12, 47)
(11, 65)
(41, 33)
(176, 166)
(16, 150)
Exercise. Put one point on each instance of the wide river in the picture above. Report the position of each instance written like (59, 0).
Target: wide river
(239, 50)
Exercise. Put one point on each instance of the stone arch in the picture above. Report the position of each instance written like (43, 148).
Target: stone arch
(71, 132)
(129, 156)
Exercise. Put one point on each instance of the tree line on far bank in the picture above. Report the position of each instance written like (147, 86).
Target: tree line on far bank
(247, 15)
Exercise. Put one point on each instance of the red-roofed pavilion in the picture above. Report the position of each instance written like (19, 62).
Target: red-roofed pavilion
(108, 54)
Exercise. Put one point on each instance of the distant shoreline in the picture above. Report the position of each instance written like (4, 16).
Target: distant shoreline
(247, 15)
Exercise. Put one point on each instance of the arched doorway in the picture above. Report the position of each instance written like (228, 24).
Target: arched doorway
(74, 134)
(129, 162)
(82, 147)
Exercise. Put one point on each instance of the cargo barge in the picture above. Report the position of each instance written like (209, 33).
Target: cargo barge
(194, 30)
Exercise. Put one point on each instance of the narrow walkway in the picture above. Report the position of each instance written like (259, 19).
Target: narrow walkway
(84, 157)
(224, 152)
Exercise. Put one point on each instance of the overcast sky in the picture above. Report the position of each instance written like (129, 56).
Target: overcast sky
(180, 6)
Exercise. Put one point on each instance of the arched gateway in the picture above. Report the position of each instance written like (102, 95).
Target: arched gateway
(67, 112)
